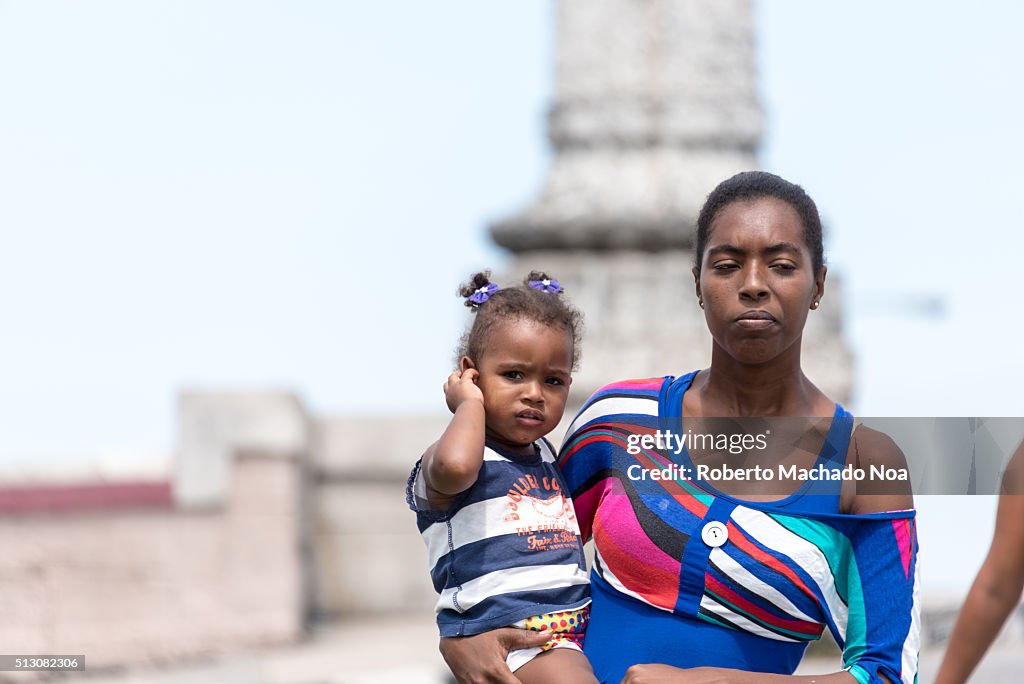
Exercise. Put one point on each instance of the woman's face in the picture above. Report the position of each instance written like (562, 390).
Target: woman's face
(757, 279)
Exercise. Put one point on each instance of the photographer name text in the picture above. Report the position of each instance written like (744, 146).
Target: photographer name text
(724, 473)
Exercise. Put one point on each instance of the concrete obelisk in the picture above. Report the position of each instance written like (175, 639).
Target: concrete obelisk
(655, 104)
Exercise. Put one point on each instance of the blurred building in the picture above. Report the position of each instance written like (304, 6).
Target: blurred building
(270, 519)
(655, 104)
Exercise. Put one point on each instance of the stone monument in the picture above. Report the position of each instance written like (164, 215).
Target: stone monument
(655, 104)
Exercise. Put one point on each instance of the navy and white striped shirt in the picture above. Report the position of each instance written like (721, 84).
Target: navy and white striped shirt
(507, 548)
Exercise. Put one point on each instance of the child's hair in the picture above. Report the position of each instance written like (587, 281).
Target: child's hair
(538, 299)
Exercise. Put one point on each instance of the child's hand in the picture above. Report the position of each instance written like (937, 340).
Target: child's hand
(452, 463)
(461, 386)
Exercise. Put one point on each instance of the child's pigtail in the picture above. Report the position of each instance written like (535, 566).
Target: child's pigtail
(529, 302)
(478, 290)
(539, 280)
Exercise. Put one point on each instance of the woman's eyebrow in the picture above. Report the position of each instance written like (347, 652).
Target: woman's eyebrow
(739, 251)
(727, 249)
(782, 247)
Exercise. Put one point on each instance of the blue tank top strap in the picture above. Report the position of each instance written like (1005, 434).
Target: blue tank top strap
(837, 442)
(823, 495)
(819, 496)
(670, 400)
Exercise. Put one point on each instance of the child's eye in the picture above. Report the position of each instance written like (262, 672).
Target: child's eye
(513, 375)
(555, 381)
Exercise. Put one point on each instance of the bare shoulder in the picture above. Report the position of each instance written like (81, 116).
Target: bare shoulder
(886, 485)
(871, 447)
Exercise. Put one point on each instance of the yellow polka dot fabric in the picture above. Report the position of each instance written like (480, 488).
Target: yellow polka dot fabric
(567, 625)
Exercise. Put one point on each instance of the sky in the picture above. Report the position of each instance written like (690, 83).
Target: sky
(271, 195)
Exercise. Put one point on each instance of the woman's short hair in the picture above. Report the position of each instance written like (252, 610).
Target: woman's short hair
(752, 185)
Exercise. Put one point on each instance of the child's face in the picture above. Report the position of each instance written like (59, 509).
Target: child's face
(525, 373)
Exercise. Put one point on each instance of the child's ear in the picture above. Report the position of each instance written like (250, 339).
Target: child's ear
(465, 363)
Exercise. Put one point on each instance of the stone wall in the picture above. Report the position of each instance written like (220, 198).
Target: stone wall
(369, 556)
(150, 584)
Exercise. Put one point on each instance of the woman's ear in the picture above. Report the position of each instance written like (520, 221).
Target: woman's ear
(696, 286)
(465, 363)
(819, 286)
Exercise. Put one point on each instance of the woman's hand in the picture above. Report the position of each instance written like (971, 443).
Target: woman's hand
(480, 659)
(666, 674)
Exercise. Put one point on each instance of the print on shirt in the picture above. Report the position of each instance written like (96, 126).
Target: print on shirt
(547, 520)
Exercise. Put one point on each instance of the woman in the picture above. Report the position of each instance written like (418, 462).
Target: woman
(698, 582)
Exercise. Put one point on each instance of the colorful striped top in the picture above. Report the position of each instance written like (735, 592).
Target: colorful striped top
(665, 592)
(507, 548)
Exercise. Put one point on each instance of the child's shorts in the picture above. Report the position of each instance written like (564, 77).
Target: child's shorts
(568, 626)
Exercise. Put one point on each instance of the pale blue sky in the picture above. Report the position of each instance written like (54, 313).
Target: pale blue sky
(270, 194)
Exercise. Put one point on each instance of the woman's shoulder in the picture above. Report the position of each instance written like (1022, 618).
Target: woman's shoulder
(886, 486)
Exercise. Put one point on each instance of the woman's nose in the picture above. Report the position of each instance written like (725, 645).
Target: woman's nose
(753, 286)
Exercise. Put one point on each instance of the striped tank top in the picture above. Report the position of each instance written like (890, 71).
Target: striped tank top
(771, 577)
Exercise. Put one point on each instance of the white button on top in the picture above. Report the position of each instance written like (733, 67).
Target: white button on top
(714, 534)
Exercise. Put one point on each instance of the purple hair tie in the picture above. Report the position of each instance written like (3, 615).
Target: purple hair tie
(482, 294)
(546, 285)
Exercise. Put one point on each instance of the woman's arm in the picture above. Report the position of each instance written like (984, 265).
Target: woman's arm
(997, 589)
(480, 659)
(665, 674)
(872, 448)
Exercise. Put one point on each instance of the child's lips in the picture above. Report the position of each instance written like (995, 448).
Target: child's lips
(530, 417)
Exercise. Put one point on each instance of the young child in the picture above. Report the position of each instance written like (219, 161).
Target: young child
(501, 534)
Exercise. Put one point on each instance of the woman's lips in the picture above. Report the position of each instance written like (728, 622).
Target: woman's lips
(755, 320)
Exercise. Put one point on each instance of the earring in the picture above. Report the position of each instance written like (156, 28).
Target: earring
(814, 304)
(700, 303)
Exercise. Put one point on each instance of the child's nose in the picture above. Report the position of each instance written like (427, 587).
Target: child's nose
(532, 391)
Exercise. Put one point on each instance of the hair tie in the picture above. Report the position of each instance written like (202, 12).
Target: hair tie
(546, 285)
(482, 294)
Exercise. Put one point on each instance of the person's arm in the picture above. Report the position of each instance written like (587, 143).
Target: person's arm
(997, 588)
(666, 674)
(480, 659)
(452, 463)
(886, 556)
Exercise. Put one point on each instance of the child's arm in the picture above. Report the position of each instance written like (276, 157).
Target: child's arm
(451, 464)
